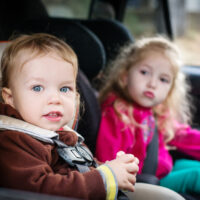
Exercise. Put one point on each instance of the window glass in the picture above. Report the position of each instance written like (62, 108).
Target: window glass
(186, 28)
(140, 17)
(67, 8)
(145, 18)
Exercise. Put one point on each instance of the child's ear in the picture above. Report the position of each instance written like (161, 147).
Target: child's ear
(7, 96)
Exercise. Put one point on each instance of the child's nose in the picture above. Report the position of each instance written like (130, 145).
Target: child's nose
(152, 82)
(54, 98)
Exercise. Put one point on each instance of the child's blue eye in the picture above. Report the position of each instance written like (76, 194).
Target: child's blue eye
(64, 89)
(37, 88)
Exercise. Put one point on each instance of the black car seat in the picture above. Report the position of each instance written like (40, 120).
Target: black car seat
(89, 120)
(112, 34)
(14, 12)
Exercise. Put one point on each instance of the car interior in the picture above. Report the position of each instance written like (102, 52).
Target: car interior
(96, 42)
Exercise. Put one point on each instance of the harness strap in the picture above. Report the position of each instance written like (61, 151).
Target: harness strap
(82, 168)
(9, 123)
(151, 161)
(36, 132)
(76, 156)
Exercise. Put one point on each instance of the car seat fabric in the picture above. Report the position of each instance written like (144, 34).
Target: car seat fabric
(12, 194)
(90, 116)
(193, 74)
(14, 12)
(112, 34)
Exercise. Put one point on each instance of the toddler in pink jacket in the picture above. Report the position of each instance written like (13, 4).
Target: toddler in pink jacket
(145, 88)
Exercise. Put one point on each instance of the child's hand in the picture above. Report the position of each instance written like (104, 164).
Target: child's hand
(119, 153)
(125, 167)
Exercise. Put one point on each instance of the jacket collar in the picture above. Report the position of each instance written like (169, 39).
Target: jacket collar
(10, 123)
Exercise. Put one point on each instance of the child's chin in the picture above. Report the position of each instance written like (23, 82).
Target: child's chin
(51, 128)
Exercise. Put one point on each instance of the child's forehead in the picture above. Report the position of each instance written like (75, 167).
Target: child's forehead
(148, 56)
(159, 59)
(27, 55)
(157, 55)
(24, 57)
(153, 52)
(44, 67)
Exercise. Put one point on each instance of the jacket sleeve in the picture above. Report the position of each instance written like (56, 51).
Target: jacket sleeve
(187, 140)
(113, 136)
(27, 164)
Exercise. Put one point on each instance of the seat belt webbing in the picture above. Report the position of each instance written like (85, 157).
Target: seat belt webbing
(151, 161)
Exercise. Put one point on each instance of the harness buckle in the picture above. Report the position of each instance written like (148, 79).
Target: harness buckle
(76, 155)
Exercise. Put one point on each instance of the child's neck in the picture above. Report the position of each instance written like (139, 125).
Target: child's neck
(138, 106)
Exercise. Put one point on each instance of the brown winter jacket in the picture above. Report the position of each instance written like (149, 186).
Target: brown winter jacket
(29, 164)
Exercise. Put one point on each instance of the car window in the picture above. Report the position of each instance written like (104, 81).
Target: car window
(144, 18)
(67, 8)
(186, 29)
(138, 18)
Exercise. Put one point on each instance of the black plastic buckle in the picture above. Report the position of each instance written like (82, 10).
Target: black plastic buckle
(76, 155)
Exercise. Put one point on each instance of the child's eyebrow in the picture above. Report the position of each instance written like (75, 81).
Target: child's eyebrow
(165, 74)
(69, 82)
(146, 65)
(34, 79)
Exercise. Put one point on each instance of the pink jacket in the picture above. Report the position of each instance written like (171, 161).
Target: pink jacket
(114, 136)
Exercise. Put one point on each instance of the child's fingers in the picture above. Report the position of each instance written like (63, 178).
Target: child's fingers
(129, 186)
(126, 158)
(120, 153)
(132, 178)
(132, 168)
(136, 160)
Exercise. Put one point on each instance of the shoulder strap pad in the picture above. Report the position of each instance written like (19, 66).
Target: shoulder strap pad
(9, 123)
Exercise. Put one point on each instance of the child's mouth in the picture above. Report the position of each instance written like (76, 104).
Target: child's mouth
(149, 94)
(53, 116)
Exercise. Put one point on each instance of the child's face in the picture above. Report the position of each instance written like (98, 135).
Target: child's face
(44, 91)
(149, 82)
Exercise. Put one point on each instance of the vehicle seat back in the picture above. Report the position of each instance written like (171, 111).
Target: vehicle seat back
(90, 117)
(14, 12)
(113, 35)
